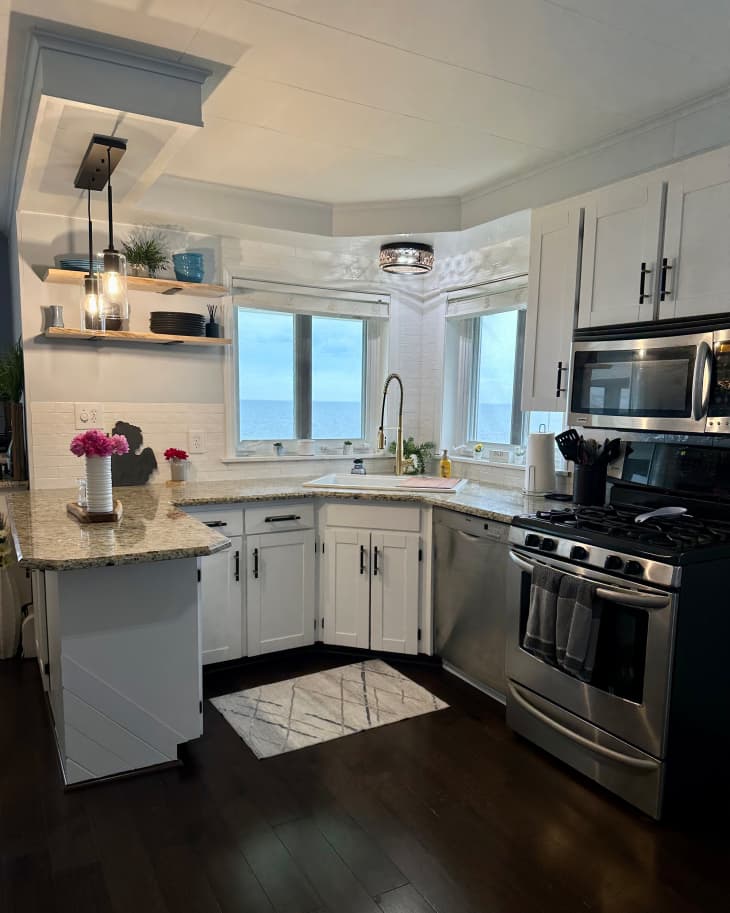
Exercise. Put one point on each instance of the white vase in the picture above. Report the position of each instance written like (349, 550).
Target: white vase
(179, 470)
(99, 485)
(347, 449)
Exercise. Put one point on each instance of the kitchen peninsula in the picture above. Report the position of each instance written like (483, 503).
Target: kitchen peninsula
(117, 627)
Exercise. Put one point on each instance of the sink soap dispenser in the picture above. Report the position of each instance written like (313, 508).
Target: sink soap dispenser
(445, 465)
(358, 468)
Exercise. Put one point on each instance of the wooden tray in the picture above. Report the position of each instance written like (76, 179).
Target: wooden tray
(83, 516)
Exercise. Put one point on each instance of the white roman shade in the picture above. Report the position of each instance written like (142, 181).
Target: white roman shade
(306, 299)
(506, 294)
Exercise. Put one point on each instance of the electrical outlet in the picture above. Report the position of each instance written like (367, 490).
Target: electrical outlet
(88, 415)
(196, 441)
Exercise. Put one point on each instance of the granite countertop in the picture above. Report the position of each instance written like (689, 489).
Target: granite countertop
(154, 528)
(478, 498)
(151, 529)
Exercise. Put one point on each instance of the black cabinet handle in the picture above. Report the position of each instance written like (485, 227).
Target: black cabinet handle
(558, 386)
(362, 559)
(214, 524)
(375, 561)
(256, 564)
(642, 283)
(665, 292)
(283, 519)
(237, 572)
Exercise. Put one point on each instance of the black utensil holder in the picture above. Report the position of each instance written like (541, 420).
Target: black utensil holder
(214, 330)
(589, 484)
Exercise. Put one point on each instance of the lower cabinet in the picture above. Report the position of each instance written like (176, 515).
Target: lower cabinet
(280, 591)
(221, 603)
(371, 589)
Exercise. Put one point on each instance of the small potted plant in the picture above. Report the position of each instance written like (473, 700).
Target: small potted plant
(98, 448)
(179, 464)
(278, 448)
(478, 451)
(147, 253)
(347, 448)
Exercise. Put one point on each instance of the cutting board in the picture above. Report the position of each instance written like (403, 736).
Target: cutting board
(432, 483)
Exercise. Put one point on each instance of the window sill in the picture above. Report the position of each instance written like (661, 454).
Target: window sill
(315, 457)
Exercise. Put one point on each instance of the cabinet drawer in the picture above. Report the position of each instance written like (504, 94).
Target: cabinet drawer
(275, 518)
(225, 519)
(381, 516)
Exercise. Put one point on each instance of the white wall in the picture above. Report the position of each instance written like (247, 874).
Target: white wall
(169, 391)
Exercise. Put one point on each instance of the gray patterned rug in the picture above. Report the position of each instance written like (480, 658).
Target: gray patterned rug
(327, 705)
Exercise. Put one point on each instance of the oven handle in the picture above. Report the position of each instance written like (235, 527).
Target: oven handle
(621, 596)
(641, 763)
(701, 381)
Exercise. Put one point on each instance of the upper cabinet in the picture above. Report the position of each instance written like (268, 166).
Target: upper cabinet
(621, 244)
(695, 278)
(551, 301)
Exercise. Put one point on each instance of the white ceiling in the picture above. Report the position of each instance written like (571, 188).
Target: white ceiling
(345, 101)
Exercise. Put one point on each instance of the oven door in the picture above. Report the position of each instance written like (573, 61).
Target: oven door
(660, 384)
(629, 691)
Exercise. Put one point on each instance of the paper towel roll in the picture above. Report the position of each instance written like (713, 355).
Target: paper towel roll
(540, 463)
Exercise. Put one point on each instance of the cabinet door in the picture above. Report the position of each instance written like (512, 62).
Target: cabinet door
(347, 587)
(394, 592)
(280, 591)
(221, 604)
(551, 297)
(621, 232)
(697, 238)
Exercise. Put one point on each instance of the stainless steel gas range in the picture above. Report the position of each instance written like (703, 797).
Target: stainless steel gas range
(652, 722)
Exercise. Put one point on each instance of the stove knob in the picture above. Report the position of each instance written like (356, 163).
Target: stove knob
(613, 563)
(579, 553)
(548, 545)
(634, 568)
(532, 540)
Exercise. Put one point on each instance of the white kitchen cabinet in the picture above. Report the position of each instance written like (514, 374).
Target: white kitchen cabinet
(347, 588)
(221, 604)
(372, 589)
(280, 604)
(394, 592)
(621, 239)
(697, 238)
(551, 297)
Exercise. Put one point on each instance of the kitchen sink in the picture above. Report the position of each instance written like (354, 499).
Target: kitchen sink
(350, 482)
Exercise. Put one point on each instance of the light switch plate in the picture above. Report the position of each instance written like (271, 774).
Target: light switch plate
(196, 441)
(88, 415)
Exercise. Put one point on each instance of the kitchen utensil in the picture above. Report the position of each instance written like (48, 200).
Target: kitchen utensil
(659, 513)
(567, 442)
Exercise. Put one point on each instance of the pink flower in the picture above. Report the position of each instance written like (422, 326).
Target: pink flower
(96, 443)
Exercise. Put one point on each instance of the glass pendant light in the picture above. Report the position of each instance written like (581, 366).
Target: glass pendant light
(114, 275)
(93, 315)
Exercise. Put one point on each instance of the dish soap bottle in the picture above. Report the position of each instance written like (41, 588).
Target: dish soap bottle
(445, 465)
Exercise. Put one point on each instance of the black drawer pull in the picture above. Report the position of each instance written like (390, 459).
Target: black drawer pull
(237, 572)
(256, 564)
(643, 273)
(375, 561)
(214, 524)
(362, 559)
(284, 518)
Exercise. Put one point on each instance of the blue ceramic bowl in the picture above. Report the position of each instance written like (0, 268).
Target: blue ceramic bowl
(188, 267)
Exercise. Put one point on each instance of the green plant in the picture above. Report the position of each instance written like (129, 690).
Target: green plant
(147, 248)
(11, 373)
(422, 452)
(347, 443)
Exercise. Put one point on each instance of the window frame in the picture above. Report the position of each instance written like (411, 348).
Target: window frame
(336, 303)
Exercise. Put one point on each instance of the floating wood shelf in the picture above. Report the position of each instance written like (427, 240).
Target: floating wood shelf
(120, 336)
(140, 284)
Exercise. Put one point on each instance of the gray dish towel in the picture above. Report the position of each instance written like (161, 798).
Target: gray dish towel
(540, 632)
(577, 625)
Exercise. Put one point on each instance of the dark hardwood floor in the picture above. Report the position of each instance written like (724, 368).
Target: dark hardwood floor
(447, 812)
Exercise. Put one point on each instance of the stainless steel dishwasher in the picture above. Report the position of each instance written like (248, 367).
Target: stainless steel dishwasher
(470, 601)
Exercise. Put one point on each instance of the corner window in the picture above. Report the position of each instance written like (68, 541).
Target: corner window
(485, 336)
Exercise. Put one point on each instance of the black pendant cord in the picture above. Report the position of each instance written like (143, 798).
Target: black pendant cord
(91, 234)
(109, 197)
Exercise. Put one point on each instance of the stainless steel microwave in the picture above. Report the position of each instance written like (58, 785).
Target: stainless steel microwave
(667, 375)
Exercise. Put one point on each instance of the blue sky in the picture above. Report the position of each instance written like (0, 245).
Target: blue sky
(266, 357)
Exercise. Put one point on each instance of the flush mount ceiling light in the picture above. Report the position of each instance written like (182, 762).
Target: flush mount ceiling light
(406, 257)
